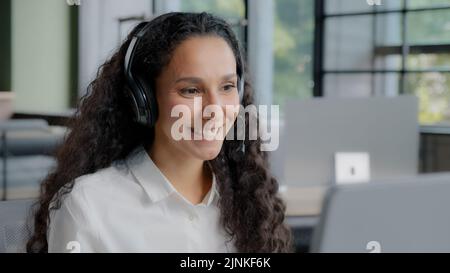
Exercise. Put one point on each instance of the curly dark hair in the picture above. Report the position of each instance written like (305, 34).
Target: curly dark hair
(102, 131)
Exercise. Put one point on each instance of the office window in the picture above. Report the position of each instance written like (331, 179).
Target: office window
(399, 47)
(293, 49)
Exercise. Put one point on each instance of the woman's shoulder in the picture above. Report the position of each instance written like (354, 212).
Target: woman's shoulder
(101, 177)
(101, 180)
(80, 206)
(92, 192)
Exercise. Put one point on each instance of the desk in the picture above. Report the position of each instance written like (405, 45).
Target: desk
(303, 201)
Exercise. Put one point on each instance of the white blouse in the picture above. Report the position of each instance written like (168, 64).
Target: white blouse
(132, 207)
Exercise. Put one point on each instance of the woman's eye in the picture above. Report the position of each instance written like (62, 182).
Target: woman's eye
(190, 91)
(229, 87)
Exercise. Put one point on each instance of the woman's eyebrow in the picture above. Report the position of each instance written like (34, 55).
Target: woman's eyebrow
(189, 79)
(199, 80)
(229, 76)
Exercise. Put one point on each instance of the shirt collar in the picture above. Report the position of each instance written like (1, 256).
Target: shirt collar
(154, 182)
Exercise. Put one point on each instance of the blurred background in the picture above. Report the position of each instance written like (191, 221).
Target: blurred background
(297, 51)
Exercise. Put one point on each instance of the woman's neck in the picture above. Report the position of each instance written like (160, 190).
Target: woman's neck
(189, 176)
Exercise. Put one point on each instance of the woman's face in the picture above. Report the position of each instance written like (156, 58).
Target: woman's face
(201, 70)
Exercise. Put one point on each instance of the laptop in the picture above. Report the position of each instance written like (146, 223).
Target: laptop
(391, 215)
(384, 128)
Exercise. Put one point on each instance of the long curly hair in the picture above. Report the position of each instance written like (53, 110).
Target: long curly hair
(102, 131)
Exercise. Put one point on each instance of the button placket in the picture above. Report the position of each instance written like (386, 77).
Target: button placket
(192, 216)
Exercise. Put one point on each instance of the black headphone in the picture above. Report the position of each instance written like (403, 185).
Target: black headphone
(141, 94)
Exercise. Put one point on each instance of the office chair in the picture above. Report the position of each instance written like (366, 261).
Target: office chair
(14, 227)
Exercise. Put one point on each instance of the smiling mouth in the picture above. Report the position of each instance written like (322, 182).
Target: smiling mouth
(212, 133)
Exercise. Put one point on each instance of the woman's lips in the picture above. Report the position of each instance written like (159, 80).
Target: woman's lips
(202, 135)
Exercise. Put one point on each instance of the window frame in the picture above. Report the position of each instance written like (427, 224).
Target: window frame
(405, 49)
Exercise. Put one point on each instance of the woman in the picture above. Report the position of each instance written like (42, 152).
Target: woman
(127, 186)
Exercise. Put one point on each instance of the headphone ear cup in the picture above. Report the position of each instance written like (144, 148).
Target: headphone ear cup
(149, 97)
(133, 103)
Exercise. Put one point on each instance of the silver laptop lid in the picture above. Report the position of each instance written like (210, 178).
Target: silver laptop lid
(394, 215)
(316, 129)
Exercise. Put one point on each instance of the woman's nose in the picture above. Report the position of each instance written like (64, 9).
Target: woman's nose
(212, 98)
(212, 106)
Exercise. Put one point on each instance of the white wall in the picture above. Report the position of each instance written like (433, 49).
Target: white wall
(99, 32)
(40, 55)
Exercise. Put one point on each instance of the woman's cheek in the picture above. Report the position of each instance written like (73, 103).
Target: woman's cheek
(168, 114)
(230, 118)
(179, 113)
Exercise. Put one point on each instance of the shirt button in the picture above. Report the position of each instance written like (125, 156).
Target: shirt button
(191, 217)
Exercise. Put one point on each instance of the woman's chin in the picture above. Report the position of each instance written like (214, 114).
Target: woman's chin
(209, 150)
